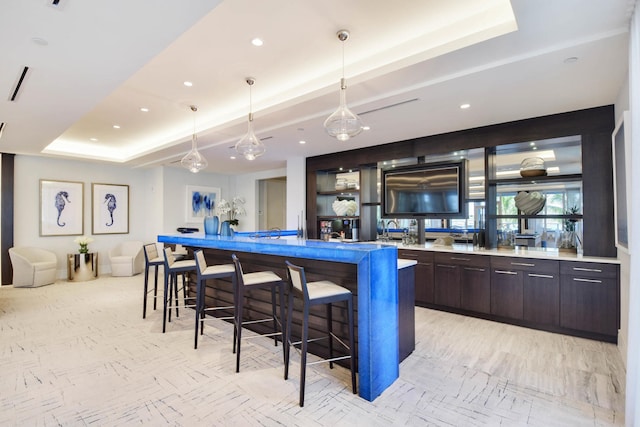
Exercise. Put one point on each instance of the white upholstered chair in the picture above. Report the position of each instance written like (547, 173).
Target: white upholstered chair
(127, 259)
(32, 267)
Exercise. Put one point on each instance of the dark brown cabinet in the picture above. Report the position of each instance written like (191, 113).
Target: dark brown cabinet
(424, 274)
(590, 297)
(526, 289)
(462, 281)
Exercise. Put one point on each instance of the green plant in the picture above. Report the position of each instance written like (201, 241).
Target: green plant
(570, 223)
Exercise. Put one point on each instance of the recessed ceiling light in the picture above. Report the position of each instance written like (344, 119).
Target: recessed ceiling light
(465, 106)
(40, 41)
(232, 157)
(532, 144)
(302, 142)
(366, 128)
(116, 126)
(571, 60)
(144, 109)
(188, 84)
(257, 42)
(93, 139)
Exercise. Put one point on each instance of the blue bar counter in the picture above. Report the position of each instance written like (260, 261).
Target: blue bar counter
(377, 293)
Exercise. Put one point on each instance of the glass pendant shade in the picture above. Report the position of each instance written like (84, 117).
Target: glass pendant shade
(250, 145)
(194, 161)
(343, 124)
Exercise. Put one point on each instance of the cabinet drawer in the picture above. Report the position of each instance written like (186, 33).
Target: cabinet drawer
(423, 257)
(479, 261)
(530, 265)
(589, 269)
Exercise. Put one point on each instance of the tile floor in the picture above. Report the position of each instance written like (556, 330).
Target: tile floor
(77, 354)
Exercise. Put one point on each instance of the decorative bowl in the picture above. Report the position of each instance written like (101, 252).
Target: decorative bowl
(345, 207)
(530, 203)
(532, 166)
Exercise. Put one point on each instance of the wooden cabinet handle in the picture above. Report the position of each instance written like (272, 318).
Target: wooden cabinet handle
(523, 264)
(446, 266)
(474, 269)
(506, 272)
(577, 279)
(543, 276)
(460, 259)
(593, 270)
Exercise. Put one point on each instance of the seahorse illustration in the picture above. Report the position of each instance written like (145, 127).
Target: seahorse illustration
(110, 200)
(61, 197)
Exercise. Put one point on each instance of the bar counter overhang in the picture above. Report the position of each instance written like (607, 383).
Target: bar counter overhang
(377, 293)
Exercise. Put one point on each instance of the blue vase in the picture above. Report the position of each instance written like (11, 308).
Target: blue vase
(225, 229)
(211, 225)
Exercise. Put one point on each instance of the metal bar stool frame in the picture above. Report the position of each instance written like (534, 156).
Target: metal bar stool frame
(209, 272)
(317, 293)
(257, 280)
(151, 259)
(171, 270)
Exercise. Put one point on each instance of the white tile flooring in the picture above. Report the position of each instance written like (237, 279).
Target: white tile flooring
(81, 354)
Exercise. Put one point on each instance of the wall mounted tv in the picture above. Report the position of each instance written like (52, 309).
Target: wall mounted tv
(429, 190)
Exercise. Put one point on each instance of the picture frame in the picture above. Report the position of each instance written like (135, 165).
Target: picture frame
(200, 202)
(621, 150)
(110, 208)
(61, 208)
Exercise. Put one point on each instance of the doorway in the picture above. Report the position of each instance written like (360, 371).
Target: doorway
(272, 203)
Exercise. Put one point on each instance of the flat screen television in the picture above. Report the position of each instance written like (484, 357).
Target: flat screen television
(428, 190)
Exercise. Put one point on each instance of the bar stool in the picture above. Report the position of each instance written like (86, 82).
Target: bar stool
(171, 270)
(151, 259)
(205, 273)
(258, 280)
(316, 293)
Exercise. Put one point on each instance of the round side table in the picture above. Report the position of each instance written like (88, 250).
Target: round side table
(82, 267)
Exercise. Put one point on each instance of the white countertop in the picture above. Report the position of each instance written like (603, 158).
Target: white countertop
(540, 253)
(403, 263)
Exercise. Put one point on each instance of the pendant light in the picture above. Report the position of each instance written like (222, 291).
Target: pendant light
(343, 124)
(194, 161)
(250, 145)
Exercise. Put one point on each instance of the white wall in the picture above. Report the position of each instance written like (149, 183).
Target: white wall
(247, 186)
(296, 191)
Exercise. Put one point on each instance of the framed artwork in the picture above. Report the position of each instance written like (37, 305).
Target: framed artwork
(61, 208)
(110, 209)
(621, 145)
(201, 202)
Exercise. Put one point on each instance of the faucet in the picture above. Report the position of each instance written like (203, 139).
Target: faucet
(385, 232)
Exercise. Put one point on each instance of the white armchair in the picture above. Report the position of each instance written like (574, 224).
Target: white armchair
(127, 259)
(32, 267)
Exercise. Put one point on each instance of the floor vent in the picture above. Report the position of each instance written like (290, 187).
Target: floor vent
(14, 93)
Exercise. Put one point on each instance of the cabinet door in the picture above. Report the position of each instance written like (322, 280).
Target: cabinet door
(424, 274)
(542, 298)
(507, 293)
(589, 304)
(475, 285)
(447, 285)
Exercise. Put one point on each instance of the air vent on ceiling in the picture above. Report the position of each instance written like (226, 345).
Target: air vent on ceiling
(2, 126)
(388, 106)
(16, 89)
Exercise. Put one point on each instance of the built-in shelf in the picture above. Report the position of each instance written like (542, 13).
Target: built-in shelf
(560, 216)
(537, 179)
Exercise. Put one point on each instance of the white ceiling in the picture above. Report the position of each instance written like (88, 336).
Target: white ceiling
(92, 65)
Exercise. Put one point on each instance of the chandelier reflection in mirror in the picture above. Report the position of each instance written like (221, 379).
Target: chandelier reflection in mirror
(194, 161)
(343, 124)
(250, 145)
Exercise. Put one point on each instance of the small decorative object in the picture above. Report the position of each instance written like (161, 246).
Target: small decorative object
(225, 229)
(232, 209)
(83, 241)
(530, 203)
(345, 207)
(444, 241)
(532, 166)
(341, 184)
(569, 240)
(211, 224)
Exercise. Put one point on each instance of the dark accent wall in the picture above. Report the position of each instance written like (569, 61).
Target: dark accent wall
(7, 216)
(595, 125)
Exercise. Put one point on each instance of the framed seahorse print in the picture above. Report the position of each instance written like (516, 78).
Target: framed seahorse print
(110, 209)
(61, 208)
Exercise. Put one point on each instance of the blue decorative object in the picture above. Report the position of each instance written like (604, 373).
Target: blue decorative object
(225, 229)
(211, 224)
